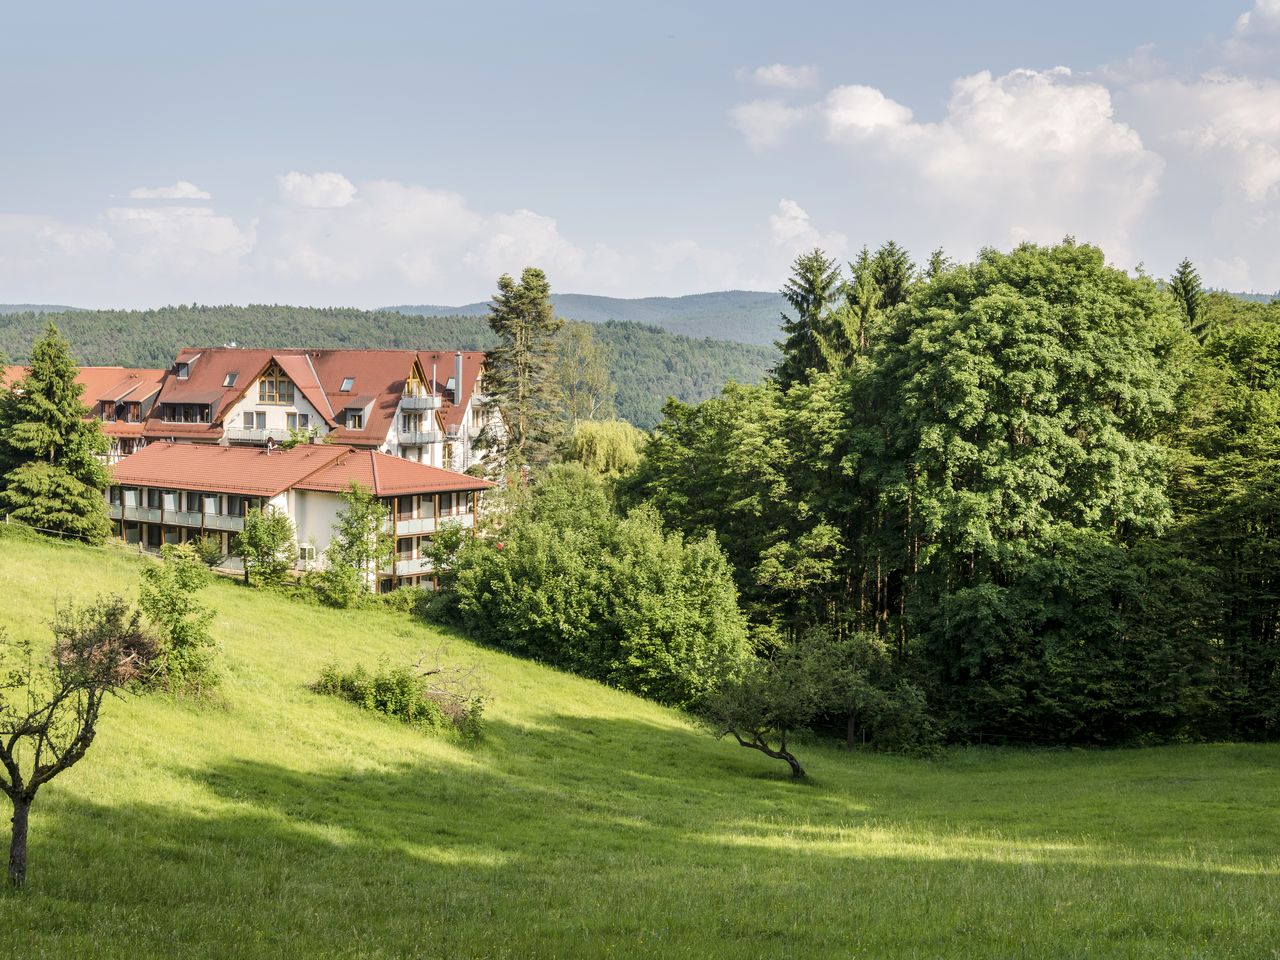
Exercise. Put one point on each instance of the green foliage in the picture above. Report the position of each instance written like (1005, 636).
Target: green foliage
(338, 585)
(567, 581)
(408, 695)
(208, 548)
(520, 368)
(581, 375)
(266, 546)
(811, 291)
(167, 596)
(362, 538)
(51, 477)
(1189, 294)
(609, 448)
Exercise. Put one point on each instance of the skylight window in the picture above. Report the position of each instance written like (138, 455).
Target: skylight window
(230, 379)
(347, 384)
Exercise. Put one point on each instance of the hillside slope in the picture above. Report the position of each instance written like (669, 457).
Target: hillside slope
(276, 823)
(745, 316)
(646, 364)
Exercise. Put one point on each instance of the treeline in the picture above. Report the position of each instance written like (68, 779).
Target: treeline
(645, 364)
(1031, 499)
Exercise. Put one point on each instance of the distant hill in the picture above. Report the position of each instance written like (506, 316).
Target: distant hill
(1258, 297)
(744, 316)
(34, 308)
(647, 364)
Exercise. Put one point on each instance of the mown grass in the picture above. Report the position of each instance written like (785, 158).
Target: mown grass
(277, 823)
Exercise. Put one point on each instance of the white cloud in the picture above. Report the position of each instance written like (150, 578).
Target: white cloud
(765, 123)
(1027, 155)
(178, 242)
(1256, 38)
(792, 232)
(182, 190)
(315, 190)
(785, 77)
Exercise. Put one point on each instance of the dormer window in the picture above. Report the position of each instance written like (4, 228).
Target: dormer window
(354, 419)
(183, 370)
(275, 387)
(230, 379)
(347, 384)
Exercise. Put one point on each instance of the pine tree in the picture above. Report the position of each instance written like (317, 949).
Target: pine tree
(811, 291)
(53, 477)
(520, 370)
(893, 271)
(1186, 289)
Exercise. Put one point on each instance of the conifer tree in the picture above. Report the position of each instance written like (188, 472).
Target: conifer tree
(1186, 289)
(52, 477)
(520, 370)
(812, 290)
(893, 271)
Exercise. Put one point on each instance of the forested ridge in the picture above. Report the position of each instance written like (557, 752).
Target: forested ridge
(646, 364)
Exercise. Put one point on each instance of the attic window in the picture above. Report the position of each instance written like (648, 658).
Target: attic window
(347, 384)
(230, 379)
(354, 419)
(183, 370)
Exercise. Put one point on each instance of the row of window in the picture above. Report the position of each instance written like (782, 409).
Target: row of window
(427, 506)
(189, 501)
(185, 412)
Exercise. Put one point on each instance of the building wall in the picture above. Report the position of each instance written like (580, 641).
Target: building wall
(314, 515)
(276, 413)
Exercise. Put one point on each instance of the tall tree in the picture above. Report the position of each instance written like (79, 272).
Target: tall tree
(582, 375)
(362, 537)
(812, 292)
(520, 368)
(52, 478)
(1187, 291)
(893, 271)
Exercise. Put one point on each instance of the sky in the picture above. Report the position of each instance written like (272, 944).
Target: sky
(395, 153)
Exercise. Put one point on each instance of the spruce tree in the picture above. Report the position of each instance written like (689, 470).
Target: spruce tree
(520, 370)
(53, 477)
(812, 290)
(1187, 291)
(893, 271)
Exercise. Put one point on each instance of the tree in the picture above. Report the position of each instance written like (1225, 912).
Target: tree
(581, 375)
(607, 447)
(939, 263)
(766, 702)
(167, 596)
(49, 706)
(1187, 291)
(893, 271)
(362, 537)
(519, 370)
(811, 291)
(52, 478)
(266, 546)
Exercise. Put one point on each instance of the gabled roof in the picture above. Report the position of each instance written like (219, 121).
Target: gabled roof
(106, 384)
(443, 362)
(252, 471)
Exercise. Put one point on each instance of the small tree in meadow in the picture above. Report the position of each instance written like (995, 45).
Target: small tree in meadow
(167, 596)
(49, 705)
(362, 537)
(266, 546)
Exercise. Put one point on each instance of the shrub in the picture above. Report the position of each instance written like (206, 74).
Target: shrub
(338, 586)
(167, 595)
(438, 698)
(209, 549)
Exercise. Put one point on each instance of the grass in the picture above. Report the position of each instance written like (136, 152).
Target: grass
(278, 823)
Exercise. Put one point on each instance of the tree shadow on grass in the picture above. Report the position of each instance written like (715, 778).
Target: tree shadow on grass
(581, 836)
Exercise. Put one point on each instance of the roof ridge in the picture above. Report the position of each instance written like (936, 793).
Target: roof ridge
(373, 466)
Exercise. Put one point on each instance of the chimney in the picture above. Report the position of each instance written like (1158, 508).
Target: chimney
(435, 384)
(457, 376)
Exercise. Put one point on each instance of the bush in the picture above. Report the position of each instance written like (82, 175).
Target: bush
(435, 699)
(338, 586)
(167, 595)
(209, 549)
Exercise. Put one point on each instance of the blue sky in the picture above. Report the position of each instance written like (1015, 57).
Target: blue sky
(391, 152)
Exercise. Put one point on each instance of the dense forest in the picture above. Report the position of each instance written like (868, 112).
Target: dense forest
(646, 364)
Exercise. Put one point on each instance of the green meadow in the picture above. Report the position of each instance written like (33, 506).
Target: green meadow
(272, 822)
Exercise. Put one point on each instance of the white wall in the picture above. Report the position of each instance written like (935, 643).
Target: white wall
(314, 514)
(276, 413)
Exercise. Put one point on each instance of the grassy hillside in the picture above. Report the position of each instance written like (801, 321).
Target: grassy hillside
(745, 316)
(646, 364)
(589, 823)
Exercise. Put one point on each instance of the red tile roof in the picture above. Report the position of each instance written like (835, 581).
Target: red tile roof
(387, 476)
(254, 472)
(106, 383)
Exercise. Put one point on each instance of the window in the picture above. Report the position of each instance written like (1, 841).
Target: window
(347, 384)
(411, 423)
(235, 506)
(275, 387)
(183, 370)
(193, 502)
(446, 504)
(154, 500)
(307, 552)
(155, 535)
(355, 419)
(298, 421)
(405, 548)
(230, 379)
(446, 458)
(255, 420)
(115, 496)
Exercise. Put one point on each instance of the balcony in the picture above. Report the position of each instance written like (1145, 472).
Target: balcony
(184, 518)
(419, 438)
(255, 436)
(219, 521)
(412, 567)
(409, 526)
(428, 402)
(140, 514)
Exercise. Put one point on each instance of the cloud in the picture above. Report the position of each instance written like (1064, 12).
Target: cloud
(765, 123)
(784, 77)
(315, 190)
(792, 232)
(182, 190)
(178, 242)
(1256, 38)
(1027, 155)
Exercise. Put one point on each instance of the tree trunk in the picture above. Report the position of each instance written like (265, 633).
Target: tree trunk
(851, 731)
(18, 842)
